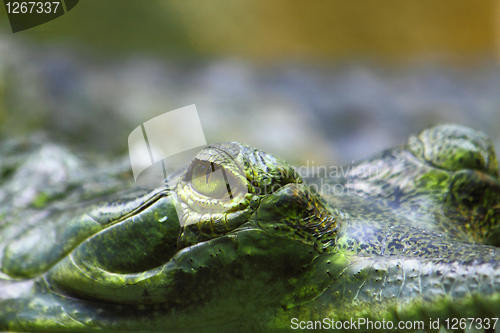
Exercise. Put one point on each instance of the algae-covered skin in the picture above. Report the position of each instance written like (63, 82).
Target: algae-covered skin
(238, 241)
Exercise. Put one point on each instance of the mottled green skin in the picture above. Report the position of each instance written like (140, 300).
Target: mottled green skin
(409, 234)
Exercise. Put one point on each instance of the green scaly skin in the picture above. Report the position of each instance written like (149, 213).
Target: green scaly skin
(409, 234)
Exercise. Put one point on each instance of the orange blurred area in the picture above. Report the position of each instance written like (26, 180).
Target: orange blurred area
(341, 29)
(282, 29)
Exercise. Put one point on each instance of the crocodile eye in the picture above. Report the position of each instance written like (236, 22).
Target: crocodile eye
(211, 180)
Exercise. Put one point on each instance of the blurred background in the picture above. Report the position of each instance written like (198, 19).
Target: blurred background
(323, 81)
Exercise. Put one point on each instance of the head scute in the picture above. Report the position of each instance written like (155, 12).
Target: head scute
(267, 173)
(453, 147)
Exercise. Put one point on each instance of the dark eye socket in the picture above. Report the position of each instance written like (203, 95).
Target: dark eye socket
(211, 180)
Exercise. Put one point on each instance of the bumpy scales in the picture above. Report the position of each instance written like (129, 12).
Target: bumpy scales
(242, 243)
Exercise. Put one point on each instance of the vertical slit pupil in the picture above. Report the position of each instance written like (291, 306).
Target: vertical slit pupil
(208, 172)
(212, 168)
